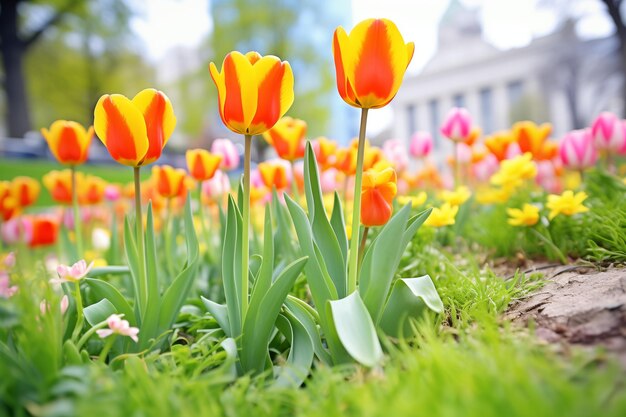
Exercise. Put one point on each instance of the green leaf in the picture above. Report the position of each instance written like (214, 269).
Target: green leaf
(150, 318)
(130, 249)
(177, 292)
(339, 227)
(300, 357)
(410, 298)
(71, 356)
(284, 245)
(232, 235)
(301, 311)
(261, 316)
(99, 312)
(108, 270)
(264, 280)
(381, 262)
(219, 313)
(323, 232)
(104, 290)
(230, 364)
(355, 329)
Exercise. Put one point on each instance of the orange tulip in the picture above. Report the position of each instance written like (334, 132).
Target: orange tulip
(370, 62)
(91, 190)
(498, 144)
(169, 181)
(135, 131)
(287, 138)
(254, 91)
(59, 185)
(68, 141)
(42, 231)
(25, 190)
(274, 174)
(324, 152)
(346, 161)
(8, 203)
(531, 137)
(202, 164)
(377, 193)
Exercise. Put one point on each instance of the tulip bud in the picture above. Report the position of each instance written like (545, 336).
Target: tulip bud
(457, 125)
(421, 144)
(577, 150)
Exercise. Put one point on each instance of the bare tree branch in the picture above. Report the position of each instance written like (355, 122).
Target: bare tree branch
(56, 18)
(614, 10)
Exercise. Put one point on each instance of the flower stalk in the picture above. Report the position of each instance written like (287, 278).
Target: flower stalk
(143, 279)
(76, 212)
(245, 213)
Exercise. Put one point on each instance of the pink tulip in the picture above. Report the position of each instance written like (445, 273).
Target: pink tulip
(486, 167)
(421, 144)
(457, 125)
(118, 326)
(217, 186)
(9, 260)
(6, 290)
(229, 152)
(463, 154)
(17, 229)
(328, 180)
(577, 150)
(72, 273)
(608, 133)
(546, 176)
(395, 152)
(112, 192)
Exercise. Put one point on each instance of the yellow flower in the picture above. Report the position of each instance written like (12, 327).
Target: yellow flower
(456, 197)
(513, 172)
(415, 200)
(488, 195)
(442, 216)
(567, 203)
(527, 216)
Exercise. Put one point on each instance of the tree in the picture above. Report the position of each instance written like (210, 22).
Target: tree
(614, 9)
(14, 44)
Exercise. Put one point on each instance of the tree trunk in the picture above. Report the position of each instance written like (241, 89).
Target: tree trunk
(614, 9)
(12, 51)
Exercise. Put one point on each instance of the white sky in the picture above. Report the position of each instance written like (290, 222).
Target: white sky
(166, 24)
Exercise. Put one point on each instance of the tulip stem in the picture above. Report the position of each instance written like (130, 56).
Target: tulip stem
(108, 344)
(203, 228)
(76, 212)
(246, 227)
(167, 234)
(356, 207)
(143, 279)
(79, 312)
(362, 246)
(457, 166)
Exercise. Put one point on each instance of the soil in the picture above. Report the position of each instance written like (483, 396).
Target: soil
(579, 306)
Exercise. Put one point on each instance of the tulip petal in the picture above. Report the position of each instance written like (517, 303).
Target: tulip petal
(160, 120)
(275, 95)
(344, 65)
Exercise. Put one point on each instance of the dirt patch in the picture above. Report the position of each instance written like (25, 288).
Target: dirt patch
(579, 306)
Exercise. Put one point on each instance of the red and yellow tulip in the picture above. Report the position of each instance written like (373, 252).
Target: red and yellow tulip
(324, 152)
(68, 141)
(202, 164)
(135, 131)
(8, 203)
(378, 190)
(274, 174)
(533, 138)
(287, 138)
(169, 181)
(370, 62)
(25, 190)
(42, 230)
(254, 91)
(59, 185)
(91, 190)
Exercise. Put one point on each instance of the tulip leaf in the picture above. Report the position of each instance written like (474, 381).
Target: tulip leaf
(219, 313)
(381, 262)
(104, 290)
(323, 232)
(230, 364)
(261, 316)
(300, 357)
(284, 245)
(355, 329)
(229, 259)
(99, 312)
(410, 298)
(130, 249)
(176, 294)
(305, 315)
(264, 279)
(150, 319)
(108, 270)
(339, 227)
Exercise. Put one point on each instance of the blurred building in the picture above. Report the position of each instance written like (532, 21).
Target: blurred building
(558, 78)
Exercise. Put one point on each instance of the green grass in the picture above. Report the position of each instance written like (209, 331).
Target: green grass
(36, 168)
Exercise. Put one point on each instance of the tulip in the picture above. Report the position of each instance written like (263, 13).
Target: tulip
(41, 230)
(168, 180)
(608, 133)
(395, 151)
(9, 260)
(118, 326)
(421, 144)
(68, 141)
(287, 138)
(91, 190)
(547, 176)
(379, 189)
(112, 192)
(457, 125)
(72, 273)
(254, 92)
(9, 206)
(533, 138)
(498, 144)
(217, 186)
(228, 151)
(346, 161)
(567, 204)
(25, 190)
(324, 150)
(59, 185)
(527, 216)
(486, 167)
(274, 175)
(577, 150)
(100, 239)
(135, 131)
(328, 180)
(202, 164)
